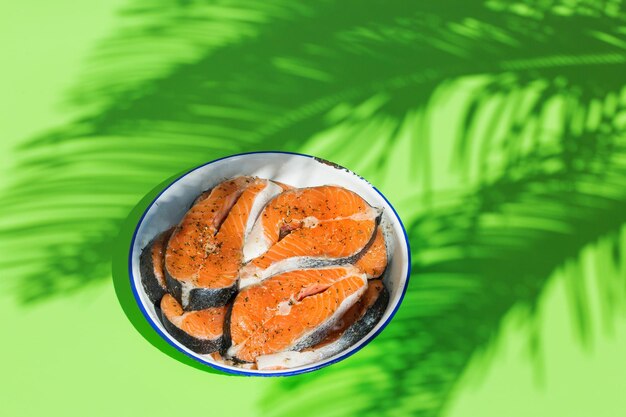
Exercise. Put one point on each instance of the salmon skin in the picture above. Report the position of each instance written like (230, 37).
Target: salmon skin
(306, 228)
(354, 326)
(204, 256)
(151, 264)
(291, 311)
(201, 331)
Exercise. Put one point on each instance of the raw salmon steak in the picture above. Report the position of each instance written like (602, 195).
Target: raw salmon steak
(292, 311)
(151, 265)
(205, 252)
(308, 227)
(201, 331)
(355, 324)
(187, 246)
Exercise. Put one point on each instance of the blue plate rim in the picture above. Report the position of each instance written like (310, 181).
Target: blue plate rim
(275, 374)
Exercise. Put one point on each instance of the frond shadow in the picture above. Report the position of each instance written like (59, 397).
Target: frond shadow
(473, 263)
(190, 81)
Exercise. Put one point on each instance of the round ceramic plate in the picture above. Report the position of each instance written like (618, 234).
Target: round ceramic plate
(294, 169)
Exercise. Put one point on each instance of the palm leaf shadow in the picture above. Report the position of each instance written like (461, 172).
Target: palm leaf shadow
(271, 79)
(473, 263)
(238, 95)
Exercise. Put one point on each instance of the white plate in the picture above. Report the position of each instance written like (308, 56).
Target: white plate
(293, 169)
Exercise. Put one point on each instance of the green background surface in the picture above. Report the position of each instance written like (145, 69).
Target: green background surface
(68, 347)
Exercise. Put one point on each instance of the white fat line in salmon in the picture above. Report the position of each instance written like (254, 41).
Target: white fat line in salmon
(270, 191)
(370, 214)
(251, 274)
(256, 243)
(257, 275)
